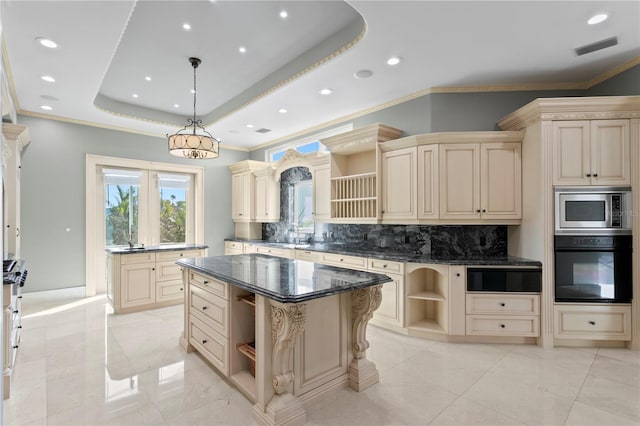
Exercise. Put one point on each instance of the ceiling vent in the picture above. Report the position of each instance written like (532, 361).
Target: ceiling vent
(263, 130)
(598, 45)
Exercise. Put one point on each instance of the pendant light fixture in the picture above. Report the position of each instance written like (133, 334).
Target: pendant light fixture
(190, 144)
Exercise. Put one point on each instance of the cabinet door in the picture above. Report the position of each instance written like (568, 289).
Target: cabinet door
(428, 182)
(241, 194)
(459, 181)
(399, 182)
(571, 145)
(501, 180)
(610, 152)
(138, 285)
(321, 193)
(267, 199)
(391, 310)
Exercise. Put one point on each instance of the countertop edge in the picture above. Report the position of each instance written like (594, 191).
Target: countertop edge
(157, 248)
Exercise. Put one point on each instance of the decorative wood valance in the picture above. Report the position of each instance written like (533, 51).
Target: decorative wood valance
(293, 158)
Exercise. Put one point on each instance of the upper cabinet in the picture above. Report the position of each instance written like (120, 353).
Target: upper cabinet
(321, 175)
(591, 152)
(255, 195)
(355, 164)
(454, 177)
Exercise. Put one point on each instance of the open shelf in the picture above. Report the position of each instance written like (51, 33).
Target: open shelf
(427, 295)
(249, 350)
(242, 356)
(250, 299)
(247, 383)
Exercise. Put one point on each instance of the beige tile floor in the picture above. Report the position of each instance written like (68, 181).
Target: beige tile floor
(78, 364)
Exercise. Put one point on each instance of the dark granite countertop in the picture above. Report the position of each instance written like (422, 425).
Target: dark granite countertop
(283, 280)
(162, 247)
(353, 249)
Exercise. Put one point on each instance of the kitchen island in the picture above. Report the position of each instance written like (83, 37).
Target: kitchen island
(285, 332)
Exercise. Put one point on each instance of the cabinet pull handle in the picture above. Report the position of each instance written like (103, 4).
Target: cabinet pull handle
(16, 311)
(239, 214)
(592, 322)
(206, 282)
(19, 297)
(204, 342)
(588, 174)
(502, 304)
(204, 308)
(595, 175)
(19, 326)
(502, 326)
(15, 346)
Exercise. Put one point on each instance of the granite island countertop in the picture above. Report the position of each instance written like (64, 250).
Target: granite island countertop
(154, 248)
(353, 249)
(283, 280)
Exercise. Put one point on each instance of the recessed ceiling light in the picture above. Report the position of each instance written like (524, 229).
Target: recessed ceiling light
(135, 95)
(596, 19)
(176, 106)
(363, 74)
(147, 78)
(326, 91)
(242, 49)
(186, 26)
(282, 111)
(48, 78)
(284, 14)
(47, 42)
(46, 107)
(394, 60)
(250, 126)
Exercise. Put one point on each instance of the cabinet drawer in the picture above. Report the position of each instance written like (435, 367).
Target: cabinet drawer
(211, 309)
(233, 247)
(167, 256)
(210, 344)
(508, 304)
(273, 251)
(386, 266)
(167, 271)
(344, 261)
(496, 325)
(310, 256)
(127, 259)
(169, 290)
(592, 322)
(209, 284)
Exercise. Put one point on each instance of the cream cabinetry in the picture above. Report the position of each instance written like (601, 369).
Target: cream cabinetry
(503, 314)
(233, 247)
(255, 196)
(391, 310)
(146, 280)
(11, 331)
(14, 138)
(592, 322)
(481, 181)
(309, 256)
(399, 184)
(427, 303)
(591, 152)
(275, 251)
(321, 175)
(428, 182)
(267, 196)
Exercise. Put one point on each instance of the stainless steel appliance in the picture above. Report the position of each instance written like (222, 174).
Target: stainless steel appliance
(593, 211)
(593, 268)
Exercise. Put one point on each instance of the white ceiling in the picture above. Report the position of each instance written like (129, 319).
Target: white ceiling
(106, 48)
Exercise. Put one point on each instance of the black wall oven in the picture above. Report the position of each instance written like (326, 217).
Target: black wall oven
(593, 268)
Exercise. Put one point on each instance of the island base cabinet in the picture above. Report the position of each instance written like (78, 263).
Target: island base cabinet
(213, 346)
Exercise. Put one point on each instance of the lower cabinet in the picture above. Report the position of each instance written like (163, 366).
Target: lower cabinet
(391, 310)
(233, 247)
(503, 314)
(147, 280)
(592, 322)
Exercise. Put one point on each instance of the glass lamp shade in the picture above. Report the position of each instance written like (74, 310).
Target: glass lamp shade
(193, 146)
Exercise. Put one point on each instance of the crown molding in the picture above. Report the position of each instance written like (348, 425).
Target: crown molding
(577, 108)
(452, 138)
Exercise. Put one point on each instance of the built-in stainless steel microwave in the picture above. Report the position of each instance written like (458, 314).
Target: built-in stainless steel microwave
(593, 210)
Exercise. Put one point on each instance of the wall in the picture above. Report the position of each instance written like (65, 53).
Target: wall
(623, 84)
(53, 195)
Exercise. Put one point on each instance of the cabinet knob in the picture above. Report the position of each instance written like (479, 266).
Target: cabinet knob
(502, 304)
(204, 342)
(588, 174)
(384, 266)
(341, 260)
(206, 282)
(153, 269)
(458, 274)
(15, 346)
(204, 308)
(592, 322)
(478, 211)
(484, 210)
(16, 311)
(502, 326)
(19, 326)
(181, 289)
(181, 254)
(239, 214)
